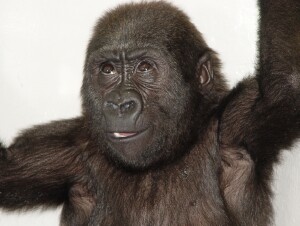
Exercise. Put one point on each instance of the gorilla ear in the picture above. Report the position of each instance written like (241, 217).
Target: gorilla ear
(204, 72)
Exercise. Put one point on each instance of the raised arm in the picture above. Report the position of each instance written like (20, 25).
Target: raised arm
(262, 114)
(41, 164)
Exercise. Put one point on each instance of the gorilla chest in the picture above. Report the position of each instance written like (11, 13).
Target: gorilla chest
(183, 197)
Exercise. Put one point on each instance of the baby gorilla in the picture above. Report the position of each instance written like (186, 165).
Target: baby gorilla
(162, 140)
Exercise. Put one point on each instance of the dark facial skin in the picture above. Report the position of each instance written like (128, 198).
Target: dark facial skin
(162, 140)
(133, 87)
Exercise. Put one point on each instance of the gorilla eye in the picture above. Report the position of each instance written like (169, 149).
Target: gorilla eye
(107, 68)
(144, 66)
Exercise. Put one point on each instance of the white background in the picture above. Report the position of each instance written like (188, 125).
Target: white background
(42, 46)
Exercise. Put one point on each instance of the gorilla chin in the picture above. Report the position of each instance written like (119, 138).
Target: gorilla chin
(132, 149)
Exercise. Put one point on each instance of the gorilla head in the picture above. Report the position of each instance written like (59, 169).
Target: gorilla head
(149, 84)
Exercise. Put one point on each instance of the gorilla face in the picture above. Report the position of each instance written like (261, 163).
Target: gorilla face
(140, 104)
(139, 91)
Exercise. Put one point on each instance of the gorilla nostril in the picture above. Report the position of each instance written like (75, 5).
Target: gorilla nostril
(127, 106)
(111, 105)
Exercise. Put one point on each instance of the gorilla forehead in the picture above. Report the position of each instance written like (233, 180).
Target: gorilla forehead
(155, 24)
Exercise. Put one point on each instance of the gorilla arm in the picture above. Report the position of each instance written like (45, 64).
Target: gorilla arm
(261, 116)
(40, 165)
(278, 76)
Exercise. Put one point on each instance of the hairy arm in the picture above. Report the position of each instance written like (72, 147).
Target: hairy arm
(41, 164)
(262, 114)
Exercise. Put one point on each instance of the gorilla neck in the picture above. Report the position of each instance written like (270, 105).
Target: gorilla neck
(179, 174)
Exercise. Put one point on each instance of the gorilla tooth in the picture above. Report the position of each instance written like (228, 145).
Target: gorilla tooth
(123, 135)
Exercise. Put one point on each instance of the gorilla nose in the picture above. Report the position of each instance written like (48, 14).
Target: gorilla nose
(121, 108)
(122, 104)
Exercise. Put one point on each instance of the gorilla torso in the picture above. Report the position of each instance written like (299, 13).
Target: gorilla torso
(135, 198)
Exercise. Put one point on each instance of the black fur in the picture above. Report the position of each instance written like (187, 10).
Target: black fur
(2, 151)
(208, 152)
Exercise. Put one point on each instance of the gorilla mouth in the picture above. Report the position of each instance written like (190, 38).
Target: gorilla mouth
(122, 136)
